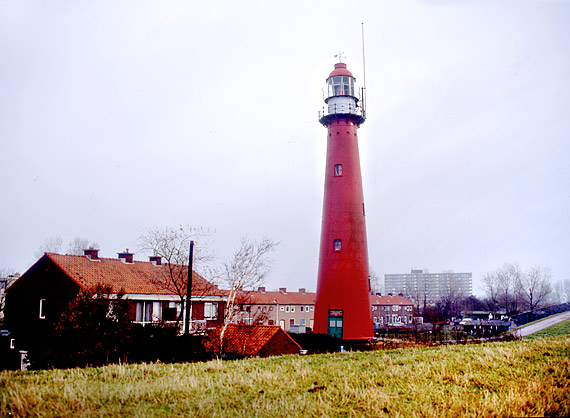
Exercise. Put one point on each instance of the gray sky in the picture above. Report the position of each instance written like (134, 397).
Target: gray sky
(119, 116)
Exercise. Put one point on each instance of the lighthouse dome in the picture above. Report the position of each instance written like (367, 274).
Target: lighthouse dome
(339, 70)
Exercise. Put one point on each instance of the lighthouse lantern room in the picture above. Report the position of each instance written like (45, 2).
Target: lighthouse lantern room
(342, 96)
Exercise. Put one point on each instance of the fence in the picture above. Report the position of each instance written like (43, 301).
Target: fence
(530, 316)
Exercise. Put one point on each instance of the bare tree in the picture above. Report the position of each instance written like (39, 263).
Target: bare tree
(535, 286)
(491, 283)
(244, 271)
(451, 297)
(172, 244)
(563, 290)
(504, 287)
(376, 284)
(50, 245)
(77, 245)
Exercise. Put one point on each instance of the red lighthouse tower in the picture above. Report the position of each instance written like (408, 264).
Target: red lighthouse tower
(342, 307)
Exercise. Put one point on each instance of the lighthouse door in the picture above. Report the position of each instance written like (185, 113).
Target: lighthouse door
(335, 323)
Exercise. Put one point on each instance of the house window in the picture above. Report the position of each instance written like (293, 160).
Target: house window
(302, 321)
(338, 170)
(292, 309)
(337, 245)
(387, 319)
(210, 310)
(270, 308)
(301, 309)
(306, 309)
(42, 309)
(281, 308)
(148, 311)
(171, 311)
(286, 309)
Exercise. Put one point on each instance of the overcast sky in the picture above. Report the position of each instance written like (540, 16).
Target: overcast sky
(119, 116)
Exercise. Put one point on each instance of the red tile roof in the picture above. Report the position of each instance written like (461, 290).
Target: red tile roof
(247, 340)
(138, 277)
(270, 298)
(389, 300)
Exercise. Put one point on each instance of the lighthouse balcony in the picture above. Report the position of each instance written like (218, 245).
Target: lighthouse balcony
(342, 110)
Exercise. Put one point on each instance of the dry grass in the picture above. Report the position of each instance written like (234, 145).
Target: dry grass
(521, 378)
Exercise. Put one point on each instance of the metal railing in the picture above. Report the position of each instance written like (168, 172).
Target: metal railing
(342, 109)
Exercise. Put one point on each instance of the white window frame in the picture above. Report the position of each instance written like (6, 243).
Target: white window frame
(210, 310)
(42, 313)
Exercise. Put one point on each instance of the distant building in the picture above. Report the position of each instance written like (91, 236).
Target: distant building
(293, 311)
(391, 311)
(429, 288)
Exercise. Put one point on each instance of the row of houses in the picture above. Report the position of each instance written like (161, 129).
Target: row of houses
(38, 297)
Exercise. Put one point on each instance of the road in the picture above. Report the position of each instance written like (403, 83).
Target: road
(540, 325)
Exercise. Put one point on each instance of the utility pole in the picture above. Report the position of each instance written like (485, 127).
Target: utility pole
(189, 290)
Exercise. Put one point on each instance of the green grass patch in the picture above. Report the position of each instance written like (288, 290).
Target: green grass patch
(562, 328)
(519, 378)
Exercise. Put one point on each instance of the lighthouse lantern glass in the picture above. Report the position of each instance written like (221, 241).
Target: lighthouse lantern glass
(341, 86)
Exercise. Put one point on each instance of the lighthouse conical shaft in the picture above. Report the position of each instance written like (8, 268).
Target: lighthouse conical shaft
(342, 306)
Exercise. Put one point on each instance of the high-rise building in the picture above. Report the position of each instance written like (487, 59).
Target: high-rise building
(342, 307)
(430, 288)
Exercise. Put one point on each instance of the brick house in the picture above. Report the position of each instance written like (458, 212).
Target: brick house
(292, 311)
(391, 311)
(35, 301)
(253, 341)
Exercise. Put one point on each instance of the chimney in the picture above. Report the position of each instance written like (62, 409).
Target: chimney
(283, 290)
(126, 257)
(155, 259)
(91, 253)
(261, 289)
(302, 290)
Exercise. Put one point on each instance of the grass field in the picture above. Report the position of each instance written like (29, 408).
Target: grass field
(519, 378)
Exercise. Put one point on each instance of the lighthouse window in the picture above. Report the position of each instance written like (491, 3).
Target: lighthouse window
(338, 170)
(337, 245)
(341, 86)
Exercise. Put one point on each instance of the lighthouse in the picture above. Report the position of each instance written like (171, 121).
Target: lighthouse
(342, 307)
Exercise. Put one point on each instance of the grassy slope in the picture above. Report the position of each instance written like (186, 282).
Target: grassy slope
(562, 328)
(521, 378)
